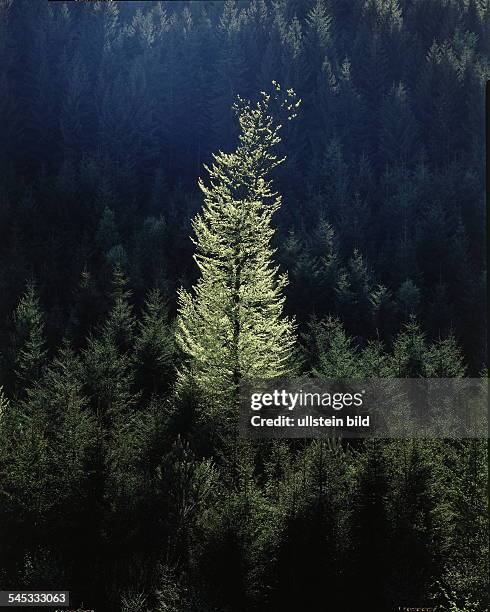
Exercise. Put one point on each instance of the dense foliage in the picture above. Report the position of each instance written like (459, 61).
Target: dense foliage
(115, 478)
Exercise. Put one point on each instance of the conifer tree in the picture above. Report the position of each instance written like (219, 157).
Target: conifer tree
(154, 346)
(58, 406)
(231, 326)
(353, 294)
(332, 352)
(86, 308)
(410, 351)
(120, 325)
(416, 513)
(109, 359)
(29, 341)
(467, 565)
(445, 360)
(383, 311)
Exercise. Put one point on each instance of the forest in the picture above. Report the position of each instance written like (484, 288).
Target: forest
(193, 193)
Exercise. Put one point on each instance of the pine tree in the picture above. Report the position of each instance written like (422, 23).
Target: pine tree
(353, 295)
(86, 308)
(331, 352)
(420, 518)
(231, 326)
(58, 406)
(444, 359)
(120, 325)
(318, 37)
(109, 359)
(29, 342)
(47, 441)
(319, 21)
(329, 267)
(375, 362)
(154, 346)
(383, 311)
(410, 351)
(467, 565)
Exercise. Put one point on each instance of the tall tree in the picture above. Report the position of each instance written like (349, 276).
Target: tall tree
(232, 325)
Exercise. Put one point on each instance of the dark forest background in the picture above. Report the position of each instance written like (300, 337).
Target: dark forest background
(107, 486)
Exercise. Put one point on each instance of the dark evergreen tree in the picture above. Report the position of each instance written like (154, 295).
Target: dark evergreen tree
(154, 347)
(28, 340)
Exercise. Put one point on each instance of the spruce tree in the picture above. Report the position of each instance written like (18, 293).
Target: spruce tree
(119, 327)
(154, 346)
(331, 352)
(29, 342)
(57, 406)
(109, 358)
(409, 357)
(232, 325)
